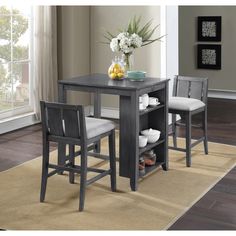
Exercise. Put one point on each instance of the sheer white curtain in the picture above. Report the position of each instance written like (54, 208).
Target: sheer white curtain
(45, 55)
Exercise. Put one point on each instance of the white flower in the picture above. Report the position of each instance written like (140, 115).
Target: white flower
(114, 45)
(130, 50)
(125, 43)
(136, 40)
(123, 35)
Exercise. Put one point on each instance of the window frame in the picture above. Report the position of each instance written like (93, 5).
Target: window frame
(16, 111)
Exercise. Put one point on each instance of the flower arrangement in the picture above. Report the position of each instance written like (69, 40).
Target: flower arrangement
(132, 37)
(125, 42)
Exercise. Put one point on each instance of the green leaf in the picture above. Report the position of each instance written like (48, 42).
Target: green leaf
(134, 26)
(150, 33)
(129, 28)
(104, 42)
(139, 19)
(153, 40)
(145, 29)
(106, 37)
(110, 34)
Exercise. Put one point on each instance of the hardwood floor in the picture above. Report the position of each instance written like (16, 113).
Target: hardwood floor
(221, 122)
(19, 146)
(214, 211)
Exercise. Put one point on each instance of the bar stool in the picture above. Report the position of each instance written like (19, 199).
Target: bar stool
(189, 98)
(66, 124)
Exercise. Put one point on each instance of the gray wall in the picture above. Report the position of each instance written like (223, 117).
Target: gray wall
(224, 79)
(74, 46)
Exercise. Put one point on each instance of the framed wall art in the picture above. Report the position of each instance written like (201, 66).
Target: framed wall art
(209, 56)
(209, 28)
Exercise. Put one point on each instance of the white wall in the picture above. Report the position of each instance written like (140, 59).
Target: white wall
(113, 18)
(170, 44)
(170, 47)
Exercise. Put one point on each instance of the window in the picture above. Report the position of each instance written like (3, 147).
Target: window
(15, 60)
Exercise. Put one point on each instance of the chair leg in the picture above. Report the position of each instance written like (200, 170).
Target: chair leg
(44, 169)
(61, 156)
(112, 155)
(204, 118)
(83, 177)
(72, 162)
(174, 132)
(188, 139)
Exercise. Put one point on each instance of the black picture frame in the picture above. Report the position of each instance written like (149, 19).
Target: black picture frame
(209, 28)
(209, 56)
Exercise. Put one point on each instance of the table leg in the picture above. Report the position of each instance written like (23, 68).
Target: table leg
(61, 147)
(129, 129)
(97, 114)
(61, 94)
(165, 166)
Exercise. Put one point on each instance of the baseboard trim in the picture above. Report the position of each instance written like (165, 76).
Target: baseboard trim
(225, 94)
(106, 112)
(18, 122)
(30, 119)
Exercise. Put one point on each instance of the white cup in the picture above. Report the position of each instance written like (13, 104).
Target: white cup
(153, 101)
(141, 106)
(142, 141)
(145, 99)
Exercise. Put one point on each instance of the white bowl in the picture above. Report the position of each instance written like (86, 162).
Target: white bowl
(151, 134)
(150, 131)
(153, 138)
(142, 141)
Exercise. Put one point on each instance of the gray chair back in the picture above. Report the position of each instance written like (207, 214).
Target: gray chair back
(63, 120)
(191, 87)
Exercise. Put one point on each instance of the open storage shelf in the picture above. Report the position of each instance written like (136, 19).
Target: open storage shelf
(149, 169)
(155, 117)
(150, 109)
(150, 146)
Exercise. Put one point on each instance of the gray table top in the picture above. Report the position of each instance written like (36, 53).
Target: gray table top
(103, 81)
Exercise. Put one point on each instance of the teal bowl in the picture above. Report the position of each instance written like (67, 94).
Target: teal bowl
(136, 75)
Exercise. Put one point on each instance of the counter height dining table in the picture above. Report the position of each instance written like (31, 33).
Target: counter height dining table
(132, 120)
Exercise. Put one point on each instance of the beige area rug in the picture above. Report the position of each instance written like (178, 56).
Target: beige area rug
(162, 197)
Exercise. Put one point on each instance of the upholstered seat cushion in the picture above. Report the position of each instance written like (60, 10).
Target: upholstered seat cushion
(185, 104)
(96, 126)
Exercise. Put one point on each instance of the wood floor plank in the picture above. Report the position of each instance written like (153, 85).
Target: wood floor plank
(193, 222)
(215, 210)
(218, 212)
(20, 146)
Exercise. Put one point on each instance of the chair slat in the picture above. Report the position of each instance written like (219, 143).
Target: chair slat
(54, 120)
(182, 88)
(193, 87)
(71, 122)
(196, 90)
